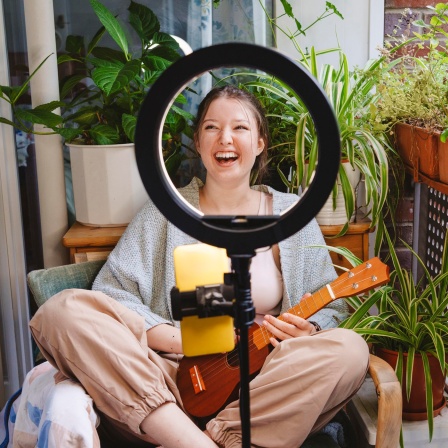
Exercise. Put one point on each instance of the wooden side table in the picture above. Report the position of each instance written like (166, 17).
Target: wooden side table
(91, 243)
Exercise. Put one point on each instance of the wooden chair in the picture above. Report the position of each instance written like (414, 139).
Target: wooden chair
(44, 283)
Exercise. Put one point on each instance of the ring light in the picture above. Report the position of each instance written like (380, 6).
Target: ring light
(236, 234)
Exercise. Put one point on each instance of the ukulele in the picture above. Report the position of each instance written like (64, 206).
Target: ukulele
(208, 383)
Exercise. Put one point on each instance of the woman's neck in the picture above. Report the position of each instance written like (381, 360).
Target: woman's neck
(241, 200)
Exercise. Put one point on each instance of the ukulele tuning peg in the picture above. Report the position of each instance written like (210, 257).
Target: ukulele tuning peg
(368, 265)
(355, 285)
(350, 274)
(374, 278)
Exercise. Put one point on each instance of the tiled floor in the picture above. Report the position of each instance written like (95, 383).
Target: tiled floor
(364, 407)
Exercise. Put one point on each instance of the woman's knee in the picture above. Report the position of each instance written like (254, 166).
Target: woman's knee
(64, 311)
(352, 351)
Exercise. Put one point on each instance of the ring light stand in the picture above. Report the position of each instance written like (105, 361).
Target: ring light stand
(240, 235)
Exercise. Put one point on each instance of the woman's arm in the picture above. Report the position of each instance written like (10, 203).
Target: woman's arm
(135, 271)
(165, 338)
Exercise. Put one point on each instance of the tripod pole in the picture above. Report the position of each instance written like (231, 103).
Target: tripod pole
(244, 318)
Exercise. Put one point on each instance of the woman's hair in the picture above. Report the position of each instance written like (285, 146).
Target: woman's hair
(252, 103)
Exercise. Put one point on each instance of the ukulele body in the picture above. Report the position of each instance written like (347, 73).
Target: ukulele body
(208, 383)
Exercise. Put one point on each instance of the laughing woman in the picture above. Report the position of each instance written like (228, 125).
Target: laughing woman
(120, 340)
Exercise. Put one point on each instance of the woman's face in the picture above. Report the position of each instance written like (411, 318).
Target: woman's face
(228, 141)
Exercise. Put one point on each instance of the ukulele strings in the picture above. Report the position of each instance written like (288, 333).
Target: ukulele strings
(261, 335)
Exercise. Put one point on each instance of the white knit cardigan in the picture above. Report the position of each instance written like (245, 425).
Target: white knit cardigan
(139, 272)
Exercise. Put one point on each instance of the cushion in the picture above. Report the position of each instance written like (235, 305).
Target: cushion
(45, 283)
(54, 415)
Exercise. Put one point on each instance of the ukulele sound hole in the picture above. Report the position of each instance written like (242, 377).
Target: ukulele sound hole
(233, 359)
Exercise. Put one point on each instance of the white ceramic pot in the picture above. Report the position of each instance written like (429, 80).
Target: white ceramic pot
(329, 216)
(107, 187)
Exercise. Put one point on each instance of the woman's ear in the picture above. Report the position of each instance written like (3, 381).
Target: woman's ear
(260, 147)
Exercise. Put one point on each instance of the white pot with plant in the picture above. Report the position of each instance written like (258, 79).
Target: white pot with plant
(112, 195)
(334, 212)
(100, 105)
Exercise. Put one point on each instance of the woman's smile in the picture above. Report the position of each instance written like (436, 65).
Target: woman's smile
(226, 157)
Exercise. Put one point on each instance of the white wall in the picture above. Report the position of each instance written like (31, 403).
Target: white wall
(358, 34)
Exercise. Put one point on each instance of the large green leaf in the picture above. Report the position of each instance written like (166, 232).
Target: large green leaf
(85, 116)
(69, 84)
(175, 123)
(112, 25)
(5, 92)
(144, 21)
(74, 44)
(113, 77)
(68, 58)
(69, 134)
(166, 40)
(6, 121)
(107, 54)
(183, 113)
(105, 135)
(129, 123)
(38, 116)
(95, 39)
(159, 58)
(172, 163)
(51, 106)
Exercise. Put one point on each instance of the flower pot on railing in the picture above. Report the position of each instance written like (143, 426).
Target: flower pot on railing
(443, 160)
(418, 149)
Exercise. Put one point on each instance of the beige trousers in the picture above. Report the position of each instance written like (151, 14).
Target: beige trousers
(92, 338)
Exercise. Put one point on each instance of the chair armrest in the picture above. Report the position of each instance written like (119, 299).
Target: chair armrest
(388, 390)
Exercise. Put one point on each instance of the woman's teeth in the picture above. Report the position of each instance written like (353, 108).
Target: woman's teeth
(226, 155)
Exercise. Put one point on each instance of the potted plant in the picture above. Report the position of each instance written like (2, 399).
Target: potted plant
(100, 104)
(413, 95)
(410, 331)
(293, 136)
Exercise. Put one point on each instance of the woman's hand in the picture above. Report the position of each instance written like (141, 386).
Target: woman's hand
(290, 326)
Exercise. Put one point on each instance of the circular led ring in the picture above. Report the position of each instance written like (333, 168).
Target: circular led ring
(151, 166)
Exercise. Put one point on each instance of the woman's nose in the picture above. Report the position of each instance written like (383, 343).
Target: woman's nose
(225, 137)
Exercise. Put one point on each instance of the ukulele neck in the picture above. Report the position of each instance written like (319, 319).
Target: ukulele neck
(304, 309)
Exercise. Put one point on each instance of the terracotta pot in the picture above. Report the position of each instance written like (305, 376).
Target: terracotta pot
(415, 408)
(443, 161)
(419, 149)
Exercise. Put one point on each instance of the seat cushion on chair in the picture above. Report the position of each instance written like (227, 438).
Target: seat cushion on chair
(54, 415)
(45, 283)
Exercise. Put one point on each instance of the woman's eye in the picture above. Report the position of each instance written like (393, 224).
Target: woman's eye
(242, 127)
(210, 126)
